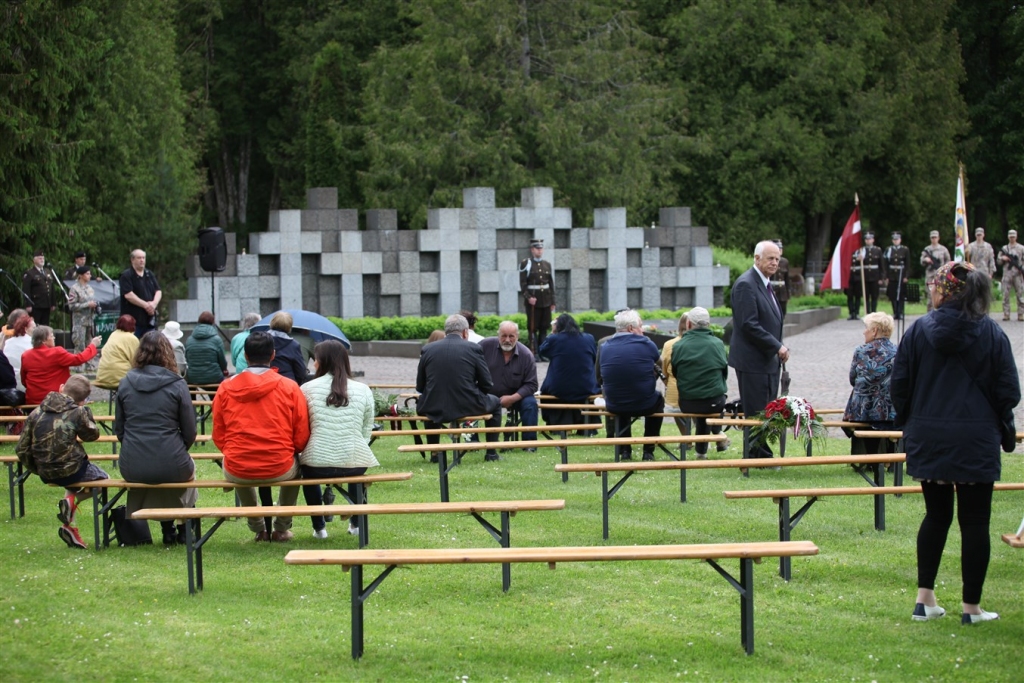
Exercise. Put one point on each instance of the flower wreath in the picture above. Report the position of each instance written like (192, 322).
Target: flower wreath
(788, 412)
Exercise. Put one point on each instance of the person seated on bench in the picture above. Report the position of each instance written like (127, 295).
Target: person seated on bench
(514, 377)
(701, 369)
(10, 394)
(118, 353)
(340, 425)
(954, 387)
(49, 448)
(453, 380)
(260, 424)
(46, 366)
(870, 372)
(156, 425)
(629, 367)
(207, 365)
(571, 355)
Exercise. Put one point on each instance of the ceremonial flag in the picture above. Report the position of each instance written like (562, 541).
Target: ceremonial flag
(960, 219)
(837, 275)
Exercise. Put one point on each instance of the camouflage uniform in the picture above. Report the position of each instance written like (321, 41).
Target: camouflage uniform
(979, 254)
(82, 326)
(940, 257)
(49, 445)
(1013, 280)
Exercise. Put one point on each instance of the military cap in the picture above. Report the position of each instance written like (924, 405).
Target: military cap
(979, 231)
(1012, 233)
(80, 254)
(897, 236)
(536, 244)
(933, 233)
(869, 235)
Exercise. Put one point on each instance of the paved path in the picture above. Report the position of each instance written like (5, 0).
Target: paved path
(819, 365)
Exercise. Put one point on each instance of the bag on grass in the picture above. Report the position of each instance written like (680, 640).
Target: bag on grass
(129, 531)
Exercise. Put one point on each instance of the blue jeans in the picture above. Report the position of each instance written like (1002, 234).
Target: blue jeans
(528, 410)
(314, 495)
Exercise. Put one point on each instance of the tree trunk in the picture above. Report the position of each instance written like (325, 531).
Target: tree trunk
(817, 240)
(231, 182)
(524, 53)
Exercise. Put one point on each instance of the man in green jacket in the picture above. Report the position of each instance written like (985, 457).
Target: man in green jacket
(701, 368)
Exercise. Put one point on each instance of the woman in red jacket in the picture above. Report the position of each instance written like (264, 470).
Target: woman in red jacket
(45, 366)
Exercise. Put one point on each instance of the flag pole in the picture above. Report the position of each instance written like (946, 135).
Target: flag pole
(863, 284)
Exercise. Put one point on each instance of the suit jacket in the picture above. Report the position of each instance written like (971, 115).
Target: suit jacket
(756, 326)
(453, 380)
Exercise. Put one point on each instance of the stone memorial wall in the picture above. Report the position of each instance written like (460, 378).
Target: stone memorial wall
(318, 259)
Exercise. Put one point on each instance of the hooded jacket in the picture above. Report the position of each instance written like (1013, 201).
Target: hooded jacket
(49, 445)
(954, 380)
(118, 356)
(156, 425)
(260, 422)
(288, 358)
(204, 353)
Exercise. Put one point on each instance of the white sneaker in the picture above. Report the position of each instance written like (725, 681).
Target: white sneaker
(320, 533)
(978, 618)
(354, 530)
(923, 612)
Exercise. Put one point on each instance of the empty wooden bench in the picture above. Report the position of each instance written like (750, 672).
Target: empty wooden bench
(460, 449)
(602, 469)
(102, 504)
(788, 522)
(746, 553)
(195, 539)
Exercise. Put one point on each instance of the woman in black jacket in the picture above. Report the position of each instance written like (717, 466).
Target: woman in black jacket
(288, 358)
(954, 386)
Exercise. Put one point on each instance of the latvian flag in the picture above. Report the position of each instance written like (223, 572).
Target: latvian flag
(837, 275)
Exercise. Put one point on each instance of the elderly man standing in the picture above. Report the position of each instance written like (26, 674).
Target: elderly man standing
(1011, 258)
(757, 350)
(260, 424)
(629, 366)
(140, 294)
(453, 379)
(514, 376)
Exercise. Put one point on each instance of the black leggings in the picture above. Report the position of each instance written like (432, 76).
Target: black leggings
(974, 509)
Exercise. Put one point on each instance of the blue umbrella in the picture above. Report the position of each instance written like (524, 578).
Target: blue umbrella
(317, 327)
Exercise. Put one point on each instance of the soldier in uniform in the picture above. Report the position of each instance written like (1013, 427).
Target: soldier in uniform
(82, 302)
(853, 291)
(897, 263)
(37, 286)
(872, 258)
(1012, 259)
(980, 255)
(71, 272)
(780, 281)
(933, 257)
(537, 284)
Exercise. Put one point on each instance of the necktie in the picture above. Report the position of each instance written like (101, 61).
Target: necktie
(771, 295)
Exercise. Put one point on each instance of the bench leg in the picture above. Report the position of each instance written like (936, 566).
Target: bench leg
(782, 444)
(682, 477)
(506, 568)
(442, 466)
(786, 525)
(190, 552)
(359, 596)
(604, 504)
(745, 587)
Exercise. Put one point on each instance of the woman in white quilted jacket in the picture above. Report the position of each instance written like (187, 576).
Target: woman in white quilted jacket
(340, 422)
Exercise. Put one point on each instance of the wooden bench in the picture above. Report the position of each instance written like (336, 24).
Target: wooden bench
(195, 539)
(748, 423)
(746, 553)
(602, 469)
(22, 418)
(17, 475)
(1015, 540)
(788, 522)
(102, 504)
(460, 449)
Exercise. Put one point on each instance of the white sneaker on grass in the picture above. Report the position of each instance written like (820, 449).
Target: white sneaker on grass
(320, 533)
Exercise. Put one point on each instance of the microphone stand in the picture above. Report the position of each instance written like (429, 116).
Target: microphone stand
(25, 297)
(102, 272)
(67, 300)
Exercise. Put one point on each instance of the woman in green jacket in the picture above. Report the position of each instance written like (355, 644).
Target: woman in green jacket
(204, 352)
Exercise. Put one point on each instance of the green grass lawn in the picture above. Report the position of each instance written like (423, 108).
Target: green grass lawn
(124, 614)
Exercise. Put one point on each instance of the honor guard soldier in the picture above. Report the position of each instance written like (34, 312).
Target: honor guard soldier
(780, 281)
(897, 263)
(933, 257)
(980, 255)
(537, 284)
(71, 272)
(853, 290)
(1012, 259)
(872, 258)
(37, 287)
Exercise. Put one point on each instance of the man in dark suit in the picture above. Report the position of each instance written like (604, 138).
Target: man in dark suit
(756, 349)
(453, 379)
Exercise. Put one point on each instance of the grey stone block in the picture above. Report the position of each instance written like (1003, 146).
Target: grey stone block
(269, 287)
(635, 238)
(247, 265)
(371, 240)
(599, 238)
(467, 219)
(389, 261)
(228, 309)
(372, 262)
(351, 306)
(249, 304)
(389, 240)
(291, 242)
(478, 198)
(561, 219)
(187, 310)
(650, 258)
(488, 281)
(634, 278)
(390, 306)
(683, 256)
(291, 264)
(390, 283)
(505, 239)
(265, 242)
(487, 304)
(508, 261)
(720, 276)
(352, 262)
(580, 258)
(450, 262)
(537, 197)
(486, 240)
(311, 242)
(703, 256)
(700, 237)
(668, 277)
(495, 219)
(561, 260)
(329, 304)
(408, 240)
(674, 217)
(382, 219)
(322, 198)
(650, 297)
(226, 288)
(704, 296)
(487, 260)
(610, 218)
(635, 298)
(430, 283)
(231, 242)
(288, 221)
(683, 237)
(348, 219)
(408, 262)
(579, 299)
(469, 240)
(524, 219)
(651, 277)
(410, 283)
(579, 238)
(633, 258)
(597, 259)
(330, 241)
(351, 242)
(443, 219)
(666, 257)
(291, 291)
(331, 264)
(270, 265)
(616, 259)
(429, 240)
(410, 303)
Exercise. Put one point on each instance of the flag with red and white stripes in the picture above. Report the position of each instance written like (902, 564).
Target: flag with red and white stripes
(837, 275)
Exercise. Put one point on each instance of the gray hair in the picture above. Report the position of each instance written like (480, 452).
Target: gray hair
(624, 320)
(40, 335)
(507, 324)
(759, 249)
(250, 319)
(455, 324)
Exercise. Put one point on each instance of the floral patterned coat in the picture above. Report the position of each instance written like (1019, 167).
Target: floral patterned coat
(869, 374)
